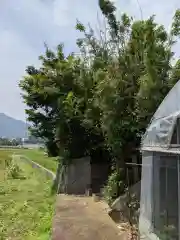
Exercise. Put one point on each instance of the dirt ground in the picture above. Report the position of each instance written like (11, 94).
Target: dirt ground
(80, 218)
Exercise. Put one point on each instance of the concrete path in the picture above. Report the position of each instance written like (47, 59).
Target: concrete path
(80, 218)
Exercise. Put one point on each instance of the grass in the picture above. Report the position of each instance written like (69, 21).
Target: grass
(38, 156)
(26, 203)
(4, 155)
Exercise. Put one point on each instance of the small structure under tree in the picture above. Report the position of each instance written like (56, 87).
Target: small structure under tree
(83, 173)
(160, 184)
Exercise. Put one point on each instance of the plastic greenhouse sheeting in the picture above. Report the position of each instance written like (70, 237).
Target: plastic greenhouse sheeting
(170, 104)
(146, 192)
(159, 202)
(160, 130)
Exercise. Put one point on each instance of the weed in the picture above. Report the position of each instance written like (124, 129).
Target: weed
(26, 208)
(14, 171)
(114, 184)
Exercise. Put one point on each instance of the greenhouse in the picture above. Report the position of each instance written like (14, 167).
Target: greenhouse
(160, 182)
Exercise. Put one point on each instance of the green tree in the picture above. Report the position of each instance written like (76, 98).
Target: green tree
(40, 96)
(135, 80)
(104, 98)
(51, 96)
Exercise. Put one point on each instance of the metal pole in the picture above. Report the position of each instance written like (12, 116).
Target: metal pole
(178, 169)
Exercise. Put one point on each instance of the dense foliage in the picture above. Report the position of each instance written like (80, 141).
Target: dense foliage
(102, 99)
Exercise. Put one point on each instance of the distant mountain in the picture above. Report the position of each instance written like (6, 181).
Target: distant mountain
(12, 128)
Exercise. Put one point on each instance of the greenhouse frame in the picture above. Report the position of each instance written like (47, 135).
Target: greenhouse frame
(160, 180)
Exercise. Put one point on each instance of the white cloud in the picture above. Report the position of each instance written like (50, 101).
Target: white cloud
(15, 55)
(163, 9)
(66, 12)
(25, 25)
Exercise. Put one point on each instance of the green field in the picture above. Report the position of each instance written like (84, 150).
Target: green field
(26, 203)
(38, 156)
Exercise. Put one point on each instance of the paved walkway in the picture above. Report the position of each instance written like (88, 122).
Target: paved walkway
(80, 218)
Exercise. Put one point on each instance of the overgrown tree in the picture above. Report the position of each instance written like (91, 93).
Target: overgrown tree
(104, 98)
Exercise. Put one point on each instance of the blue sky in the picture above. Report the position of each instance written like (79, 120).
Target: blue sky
(26, 24)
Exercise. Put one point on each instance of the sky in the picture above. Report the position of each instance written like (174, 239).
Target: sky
(26, 24)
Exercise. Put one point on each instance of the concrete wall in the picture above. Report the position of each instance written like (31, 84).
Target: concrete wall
(46, 171)
(99, 176)
(78, 176)
(81, 175)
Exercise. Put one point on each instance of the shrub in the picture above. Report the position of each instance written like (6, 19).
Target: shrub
(14, 171)
(114, 186)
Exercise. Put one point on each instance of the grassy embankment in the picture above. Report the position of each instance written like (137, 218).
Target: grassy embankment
(26, 203)
(38, 156)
